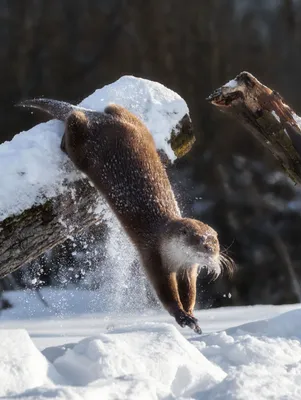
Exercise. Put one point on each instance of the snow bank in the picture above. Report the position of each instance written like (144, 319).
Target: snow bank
(131, 357)
(262, 359)
(149, 351)
(285, 325)
(150, 361)
(22, 366)
(34, 165)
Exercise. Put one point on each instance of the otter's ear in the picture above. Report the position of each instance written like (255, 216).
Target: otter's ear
(77, 122)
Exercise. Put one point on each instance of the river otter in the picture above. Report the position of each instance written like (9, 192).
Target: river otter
(115, 150)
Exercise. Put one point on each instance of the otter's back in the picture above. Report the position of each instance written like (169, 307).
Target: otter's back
(120, 157)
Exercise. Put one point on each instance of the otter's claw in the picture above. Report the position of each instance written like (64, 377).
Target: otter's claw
(184, 319)
(197, 329)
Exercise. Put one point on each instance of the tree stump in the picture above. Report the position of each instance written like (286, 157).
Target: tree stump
(267, 116)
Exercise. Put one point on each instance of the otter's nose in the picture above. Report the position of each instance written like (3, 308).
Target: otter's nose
(208, 247)
(208, 242)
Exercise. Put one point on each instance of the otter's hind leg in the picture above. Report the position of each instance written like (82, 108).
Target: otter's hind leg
(186, 279)
(118, 111)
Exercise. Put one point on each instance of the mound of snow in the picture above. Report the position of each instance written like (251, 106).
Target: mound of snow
(34, 165)
(262, 359)
(148, 352)
(149, 361)
(158, 107)
(285, 325)
(87, 359)
(22, 366)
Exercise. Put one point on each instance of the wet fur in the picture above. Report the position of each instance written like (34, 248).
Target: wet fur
(118, 154)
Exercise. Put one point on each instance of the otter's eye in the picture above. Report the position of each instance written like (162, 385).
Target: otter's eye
(184, 231)
(202, 239)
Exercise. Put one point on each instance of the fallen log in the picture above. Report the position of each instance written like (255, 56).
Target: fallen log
(44, 200)
(267, 116)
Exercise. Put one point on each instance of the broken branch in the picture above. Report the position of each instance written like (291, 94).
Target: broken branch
(267, 116)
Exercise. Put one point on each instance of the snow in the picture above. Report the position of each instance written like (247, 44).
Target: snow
(231, 84)
(22, 366)
(262, 359)
(35, 167)
(79, 352)
(297, 119)
(157, 106)
(275, 115)
(159, 352)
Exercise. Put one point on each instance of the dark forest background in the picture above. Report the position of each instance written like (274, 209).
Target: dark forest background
(66, 49)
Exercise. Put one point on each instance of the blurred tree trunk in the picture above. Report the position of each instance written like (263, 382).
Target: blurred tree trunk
(266, 115)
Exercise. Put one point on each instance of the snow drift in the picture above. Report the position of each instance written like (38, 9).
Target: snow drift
(262, 359)
(155, 358)
(143, 357)
(22, 366)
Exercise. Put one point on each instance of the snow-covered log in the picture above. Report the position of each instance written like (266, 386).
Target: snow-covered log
(265, 113)
(44, 200)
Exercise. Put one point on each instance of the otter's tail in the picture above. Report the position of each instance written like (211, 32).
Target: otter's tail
(57, 109)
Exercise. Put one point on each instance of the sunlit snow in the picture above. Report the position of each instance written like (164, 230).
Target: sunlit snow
(74, 351)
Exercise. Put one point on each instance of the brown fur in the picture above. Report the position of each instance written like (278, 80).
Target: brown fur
(186, 279)
(118, 154)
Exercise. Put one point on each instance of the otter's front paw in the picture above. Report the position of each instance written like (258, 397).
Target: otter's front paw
(184, 319)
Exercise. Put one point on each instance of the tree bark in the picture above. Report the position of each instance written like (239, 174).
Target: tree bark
(25, 236)
(266, 115)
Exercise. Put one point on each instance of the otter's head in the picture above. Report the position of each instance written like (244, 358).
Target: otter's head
(187, 241)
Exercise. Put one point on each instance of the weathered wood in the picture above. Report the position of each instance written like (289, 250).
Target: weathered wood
(25, 236)
(266, 115)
